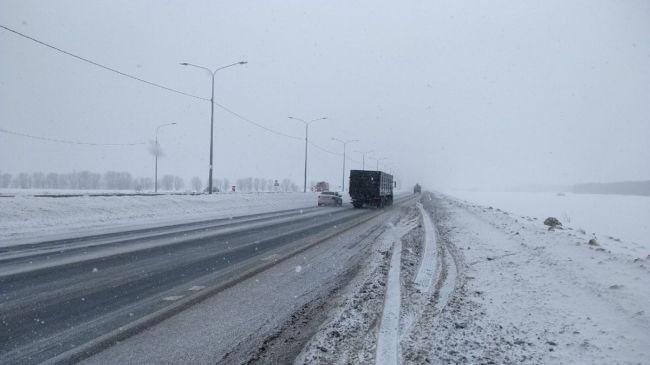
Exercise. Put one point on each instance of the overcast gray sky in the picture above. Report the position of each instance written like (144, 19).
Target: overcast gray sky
(454, 94)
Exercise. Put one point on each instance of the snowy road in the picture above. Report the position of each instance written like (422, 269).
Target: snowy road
(39, 255)
(59, 295)
(443, 281)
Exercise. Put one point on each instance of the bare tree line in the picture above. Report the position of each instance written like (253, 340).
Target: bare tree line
(79, 180)
(115, 180)
(250, 184)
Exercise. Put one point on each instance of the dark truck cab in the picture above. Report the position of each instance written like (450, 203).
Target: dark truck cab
(373, 188)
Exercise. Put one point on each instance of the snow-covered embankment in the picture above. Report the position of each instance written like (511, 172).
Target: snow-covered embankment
(24, 217)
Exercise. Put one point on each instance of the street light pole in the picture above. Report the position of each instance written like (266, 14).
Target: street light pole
(304, 181)
(380, 159)
(307, 123)
(363, 160)
(213, 73)
(156, 152)
(345, 142)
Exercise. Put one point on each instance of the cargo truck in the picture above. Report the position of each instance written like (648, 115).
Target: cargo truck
(374, 188)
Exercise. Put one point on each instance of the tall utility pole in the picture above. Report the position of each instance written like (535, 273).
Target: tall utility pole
(156, 153)
(212, 111)
(307, 123)
(378, 162)
(379, 159)
(363, 160)
(344, 142)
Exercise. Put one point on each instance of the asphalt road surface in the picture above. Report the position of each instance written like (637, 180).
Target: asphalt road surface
(65, 300)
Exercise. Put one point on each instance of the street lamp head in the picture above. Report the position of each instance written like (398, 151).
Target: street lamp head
(305, 121)
(345, 141)
(185, 64)
(173, 123)
(243, 62)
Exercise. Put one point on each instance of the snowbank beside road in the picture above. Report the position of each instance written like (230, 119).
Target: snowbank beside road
(608, 217)
(539, 296)
(27, 217)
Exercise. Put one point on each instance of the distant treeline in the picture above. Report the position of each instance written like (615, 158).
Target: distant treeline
(116, 180)
(621, 188)
(87, 180)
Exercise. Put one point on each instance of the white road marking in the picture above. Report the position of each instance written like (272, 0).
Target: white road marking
(273, 257)
(172, 298)
(196, 288)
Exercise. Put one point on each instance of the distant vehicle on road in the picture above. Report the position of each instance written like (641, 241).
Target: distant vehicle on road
(330, 198)
(417, 189)
(373, 188)
(322, 186)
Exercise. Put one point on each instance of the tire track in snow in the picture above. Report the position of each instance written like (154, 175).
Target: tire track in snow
(427, 271)
(438, 269)
(388, 338)
(434, 283)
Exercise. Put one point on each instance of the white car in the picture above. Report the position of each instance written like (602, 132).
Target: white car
(330, 198)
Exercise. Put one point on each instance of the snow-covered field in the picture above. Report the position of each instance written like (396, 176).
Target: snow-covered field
(606, 217)
(26, 217)
(545, 296)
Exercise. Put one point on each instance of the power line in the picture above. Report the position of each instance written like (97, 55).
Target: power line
(100, 65)
(348, 158)
(274, 131)
(353, 160)
(248, 120)
(223, 107)
(254, 123)
(2, 130)
(325, 149)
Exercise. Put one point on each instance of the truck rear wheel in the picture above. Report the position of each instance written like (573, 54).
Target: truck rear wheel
(357, 204)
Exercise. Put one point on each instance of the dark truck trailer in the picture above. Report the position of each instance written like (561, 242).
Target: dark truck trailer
(371, 188)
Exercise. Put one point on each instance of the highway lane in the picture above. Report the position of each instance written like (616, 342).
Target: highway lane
(59, 305)
(28, 254)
